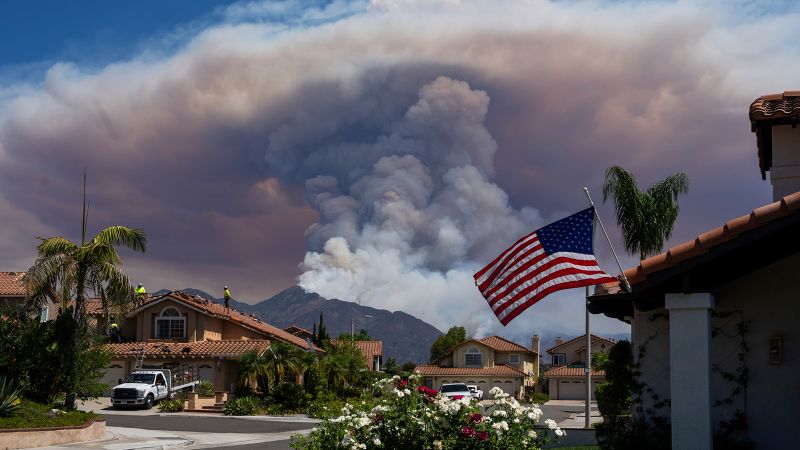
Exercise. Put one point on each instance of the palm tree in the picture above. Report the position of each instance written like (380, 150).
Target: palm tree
(64, 270)
(342, 365)
(272, 364)
(646, 218)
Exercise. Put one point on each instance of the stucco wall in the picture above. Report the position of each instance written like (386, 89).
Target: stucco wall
(211, 328)
(232, 330)
(768, 300)
(785, 172)
(487, 359)
(45, 437)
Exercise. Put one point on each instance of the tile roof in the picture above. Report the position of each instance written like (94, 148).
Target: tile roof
(216, 310)
(496, 371)
(187, 349)
(595, 338)
(565, 371)
(680, 253)
(775, 106)
(11, 284)
(500, 344)
(369, 349)
(766, 112)
(298, 331)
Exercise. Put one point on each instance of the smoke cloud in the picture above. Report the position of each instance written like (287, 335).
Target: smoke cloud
(391, 148)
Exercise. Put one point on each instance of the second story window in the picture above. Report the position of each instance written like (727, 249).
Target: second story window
(513, 358)
(558, 359)
(473, 357)
(170, 325)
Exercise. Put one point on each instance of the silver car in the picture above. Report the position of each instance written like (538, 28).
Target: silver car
(454, 389)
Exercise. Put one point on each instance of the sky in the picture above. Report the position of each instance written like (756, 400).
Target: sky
(374, 151)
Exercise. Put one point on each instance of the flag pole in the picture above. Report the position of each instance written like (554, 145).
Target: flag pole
(588, 368)
(600, 221)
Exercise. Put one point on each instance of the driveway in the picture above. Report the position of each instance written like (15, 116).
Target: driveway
(137, 429)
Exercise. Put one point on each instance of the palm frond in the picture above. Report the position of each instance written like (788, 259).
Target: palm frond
(54, 246)
(132, 238)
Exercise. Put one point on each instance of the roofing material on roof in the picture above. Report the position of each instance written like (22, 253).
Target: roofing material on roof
(680, 253)
(11, 284)
(370, 349)
(197, 349)
(217, 310)
(595, 338)
(571, 372)
(498, 370)
(766, 112)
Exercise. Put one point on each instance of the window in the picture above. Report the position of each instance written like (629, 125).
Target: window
(170, 325)
(513, 359)
(558, 359)
(473, 357)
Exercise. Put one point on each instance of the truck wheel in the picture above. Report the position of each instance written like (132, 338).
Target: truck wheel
(148, 402)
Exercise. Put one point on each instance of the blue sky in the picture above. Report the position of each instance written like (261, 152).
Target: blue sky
(380, 151)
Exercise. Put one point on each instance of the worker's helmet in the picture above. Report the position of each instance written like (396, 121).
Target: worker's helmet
(226, 287)
(140, 284)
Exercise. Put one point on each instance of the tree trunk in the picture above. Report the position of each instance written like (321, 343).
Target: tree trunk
(71, 373)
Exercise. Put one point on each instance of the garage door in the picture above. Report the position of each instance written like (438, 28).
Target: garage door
(573, 390)
(506, 386)
(114, 373)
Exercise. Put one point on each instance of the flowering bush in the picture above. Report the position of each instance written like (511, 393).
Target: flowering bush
(410, 416)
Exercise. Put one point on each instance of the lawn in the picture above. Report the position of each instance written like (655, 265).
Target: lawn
(36, 415)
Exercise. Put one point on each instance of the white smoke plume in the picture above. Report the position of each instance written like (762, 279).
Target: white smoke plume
(406, 220)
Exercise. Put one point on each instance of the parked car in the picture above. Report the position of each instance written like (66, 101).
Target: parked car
(145, 387)
(475, 391)
(455, 389)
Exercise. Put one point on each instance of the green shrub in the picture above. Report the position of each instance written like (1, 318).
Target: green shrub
(170, 405)
(9, 398)
(37, 415)
(325, 406)
(205, 389)
(288, 396)
(539, 398)
(242, 406)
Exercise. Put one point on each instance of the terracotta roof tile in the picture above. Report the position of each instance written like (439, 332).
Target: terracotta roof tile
(217, 310)
(775, 106)
(595, 338)
(500, 344)
(564, 371)
(369, 349)
(11, 284)
(757, 218)
(232, 348)
(498, 370)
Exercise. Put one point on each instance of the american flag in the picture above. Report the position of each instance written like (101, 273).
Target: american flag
(554, 257)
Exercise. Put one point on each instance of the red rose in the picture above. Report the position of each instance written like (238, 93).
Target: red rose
(468, 431)
(402, 384)
(476, 418)
(482, 435)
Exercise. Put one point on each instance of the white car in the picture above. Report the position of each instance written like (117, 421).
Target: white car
(475, 391)
(455, 389)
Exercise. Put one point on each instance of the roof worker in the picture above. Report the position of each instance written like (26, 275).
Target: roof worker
(227, 295)
(141, 292)
(115, 334)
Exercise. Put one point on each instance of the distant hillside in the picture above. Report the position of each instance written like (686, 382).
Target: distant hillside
(405, 338)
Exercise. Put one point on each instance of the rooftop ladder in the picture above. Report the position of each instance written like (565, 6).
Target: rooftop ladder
(139, 359)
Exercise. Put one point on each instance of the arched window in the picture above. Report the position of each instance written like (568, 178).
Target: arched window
(473, 357)
(170, 324)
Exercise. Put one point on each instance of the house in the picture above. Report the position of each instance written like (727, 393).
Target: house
(715, 319)
(372, 351)
(189, 334)
(299, 332)
(12, 294)
(567, 376)
(489, 362)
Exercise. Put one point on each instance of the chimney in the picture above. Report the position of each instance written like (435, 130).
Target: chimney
(535, 344)
(559, 340)
(774, 120)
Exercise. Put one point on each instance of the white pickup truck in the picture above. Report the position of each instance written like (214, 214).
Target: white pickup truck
(145, 387)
